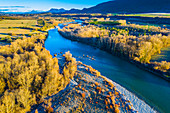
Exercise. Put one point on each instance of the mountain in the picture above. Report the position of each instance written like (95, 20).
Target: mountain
(130, 6)
(52, 10)
(73, 11)
(116, 6)
(35, 12)
(62, 10)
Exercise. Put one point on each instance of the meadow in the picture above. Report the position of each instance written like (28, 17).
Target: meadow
(17, 23)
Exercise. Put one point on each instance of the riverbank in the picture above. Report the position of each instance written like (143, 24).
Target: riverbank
(105, 43)
(89, 91)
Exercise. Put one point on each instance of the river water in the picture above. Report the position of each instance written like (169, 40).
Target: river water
(153, 90)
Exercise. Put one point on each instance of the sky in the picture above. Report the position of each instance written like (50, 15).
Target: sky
(44, 5)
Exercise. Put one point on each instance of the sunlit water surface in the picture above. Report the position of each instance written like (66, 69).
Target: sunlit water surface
(150, 88)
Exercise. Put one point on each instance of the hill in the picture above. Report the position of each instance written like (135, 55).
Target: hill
(130, 6)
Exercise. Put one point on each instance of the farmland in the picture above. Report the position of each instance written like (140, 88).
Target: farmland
(17, 23)
(14, 29)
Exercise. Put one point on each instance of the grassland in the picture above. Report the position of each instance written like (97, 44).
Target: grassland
(17, 23)
(17, 31)
(14, 29)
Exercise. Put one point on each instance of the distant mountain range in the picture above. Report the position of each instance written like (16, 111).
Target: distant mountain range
(62, 10)
(118, 6)
(125, 6)
(52, 10)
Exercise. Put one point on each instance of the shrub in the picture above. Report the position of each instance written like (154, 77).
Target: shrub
(83, 95)
(71, 67)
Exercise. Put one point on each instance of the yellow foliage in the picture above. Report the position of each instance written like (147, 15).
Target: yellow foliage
(28, 73)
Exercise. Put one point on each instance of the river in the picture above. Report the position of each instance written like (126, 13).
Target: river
(152, 89)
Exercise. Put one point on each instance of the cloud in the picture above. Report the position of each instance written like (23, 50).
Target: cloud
(8, 10)
(13, 7)
(4, 10)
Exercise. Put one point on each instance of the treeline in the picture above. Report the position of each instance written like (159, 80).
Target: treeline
(12, 37)
(138, 30)
(44, 24)
(28, 73)
(105, 22)
(133, 29)
(87, 31)
(148, 28)
(131, 47)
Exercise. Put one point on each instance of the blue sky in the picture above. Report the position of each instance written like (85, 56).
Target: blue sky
(28, 5)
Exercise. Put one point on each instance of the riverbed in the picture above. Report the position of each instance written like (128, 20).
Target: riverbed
(148, 87)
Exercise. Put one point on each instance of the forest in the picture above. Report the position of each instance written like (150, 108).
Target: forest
(28, 73)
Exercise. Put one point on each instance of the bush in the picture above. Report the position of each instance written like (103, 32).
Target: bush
(71, 67)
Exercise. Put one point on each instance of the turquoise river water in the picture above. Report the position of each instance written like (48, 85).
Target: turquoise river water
(152, 89)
